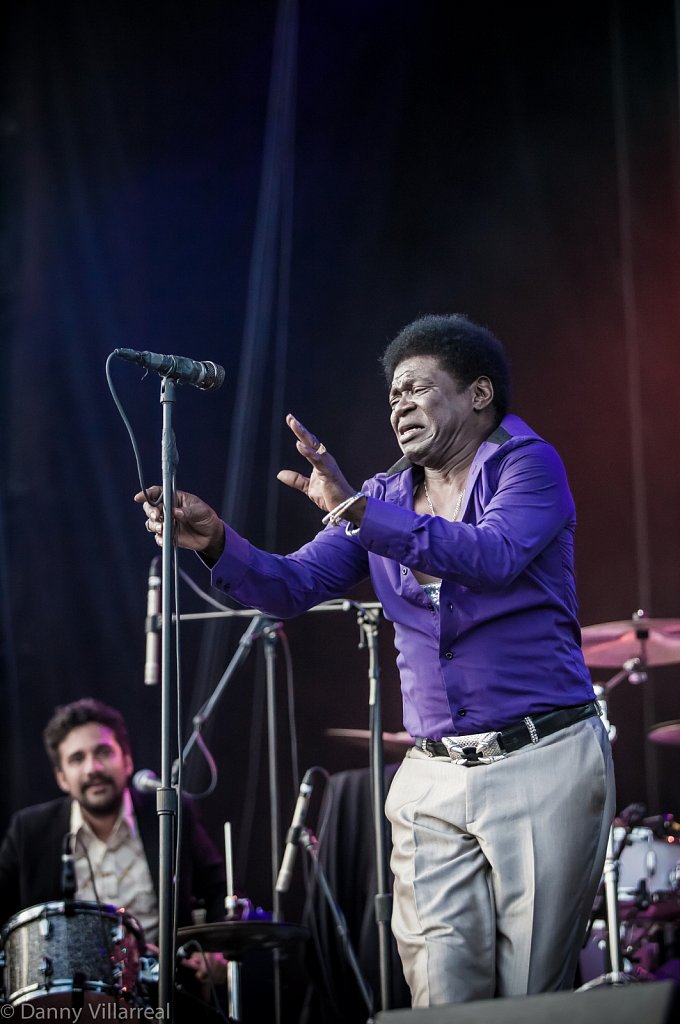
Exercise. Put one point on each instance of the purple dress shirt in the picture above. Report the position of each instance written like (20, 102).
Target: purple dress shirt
(505, 640)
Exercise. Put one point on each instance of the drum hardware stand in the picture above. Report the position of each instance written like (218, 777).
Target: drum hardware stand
(634, 671)
(267, 628)
(368, 616)
(308, 841)
(230, 902)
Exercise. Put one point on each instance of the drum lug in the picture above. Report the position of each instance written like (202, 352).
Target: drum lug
(45, 927)
(46, 967)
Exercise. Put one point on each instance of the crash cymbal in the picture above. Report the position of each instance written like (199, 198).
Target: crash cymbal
(393, 742)
(667, 733)
(611, 644)
(234, 938)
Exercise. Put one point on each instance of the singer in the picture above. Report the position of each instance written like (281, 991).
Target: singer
(117, 828)
(501, 809)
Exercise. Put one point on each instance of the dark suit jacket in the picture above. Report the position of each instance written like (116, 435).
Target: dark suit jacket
(30, 857)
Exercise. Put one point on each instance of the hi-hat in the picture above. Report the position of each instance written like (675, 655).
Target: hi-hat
(611, 644)
(234, 938)
(393, 742)
(667, 733)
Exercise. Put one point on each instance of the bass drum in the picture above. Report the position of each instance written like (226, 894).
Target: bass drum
(70, 954)
(649, 875)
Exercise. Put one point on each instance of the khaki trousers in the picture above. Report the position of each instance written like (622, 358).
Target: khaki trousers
(496, 866)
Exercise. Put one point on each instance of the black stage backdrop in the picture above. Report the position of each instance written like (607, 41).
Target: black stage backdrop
(516, 163)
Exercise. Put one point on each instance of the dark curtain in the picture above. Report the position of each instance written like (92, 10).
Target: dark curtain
(480, 159)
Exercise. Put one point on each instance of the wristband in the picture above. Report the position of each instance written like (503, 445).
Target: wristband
(336, 514)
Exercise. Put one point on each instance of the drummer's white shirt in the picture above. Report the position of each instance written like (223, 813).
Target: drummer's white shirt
(119, 864)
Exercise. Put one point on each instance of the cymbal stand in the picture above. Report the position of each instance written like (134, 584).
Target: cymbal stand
(233, 966)
(268, 629)
(616, 975)
(368, 617)
(271, 636)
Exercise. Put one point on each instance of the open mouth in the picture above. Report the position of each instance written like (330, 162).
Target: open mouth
(406, 433)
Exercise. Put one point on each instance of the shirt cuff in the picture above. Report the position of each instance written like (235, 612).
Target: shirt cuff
(234, 562)
(387, 529)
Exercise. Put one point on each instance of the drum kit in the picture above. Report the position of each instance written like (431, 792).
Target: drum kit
(641, 881)
(91, 957)
(84, 961)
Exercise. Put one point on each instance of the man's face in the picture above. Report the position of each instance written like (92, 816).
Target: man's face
(431, 415)
(93, 768)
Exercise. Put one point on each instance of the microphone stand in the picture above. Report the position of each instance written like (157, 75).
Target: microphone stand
(309, 842)
(368, 616)
(258, 626)
(166, 795)
(368, 620)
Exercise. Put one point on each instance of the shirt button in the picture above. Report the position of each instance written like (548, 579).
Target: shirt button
(404, 570)
(462, 711)
(449, 655)
(449, 605)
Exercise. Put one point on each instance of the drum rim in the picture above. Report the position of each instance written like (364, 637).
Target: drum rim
(58, 908)
(62, 986)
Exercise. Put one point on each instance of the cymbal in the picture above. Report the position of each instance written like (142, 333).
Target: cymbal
(667, 733)
(393, 742)
(233, 938)
(610, 644)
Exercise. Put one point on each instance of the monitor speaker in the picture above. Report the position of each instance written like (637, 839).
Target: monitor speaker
(656, 1002)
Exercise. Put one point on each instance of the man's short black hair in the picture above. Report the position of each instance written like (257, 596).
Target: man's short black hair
(81, 712)
(464, 348)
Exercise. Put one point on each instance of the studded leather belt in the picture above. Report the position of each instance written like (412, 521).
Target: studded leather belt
(481, 748)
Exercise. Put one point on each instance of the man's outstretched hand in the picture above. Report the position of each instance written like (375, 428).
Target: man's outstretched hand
(326, 486)
(196, 525)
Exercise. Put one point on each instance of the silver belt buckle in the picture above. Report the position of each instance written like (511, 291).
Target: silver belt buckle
(478, 748)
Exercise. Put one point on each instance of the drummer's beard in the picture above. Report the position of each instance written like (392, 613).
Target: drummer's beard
(101, 808)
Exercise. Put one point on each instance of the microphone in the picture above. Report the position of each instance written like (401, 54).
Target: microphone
(152, 625)
(294, 832)
(146, 781)
(206, 375)
(68, 869)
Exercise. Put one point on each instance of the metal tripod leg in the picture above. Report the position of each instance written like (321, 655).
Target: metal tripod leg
(611, 899)
(616, 974)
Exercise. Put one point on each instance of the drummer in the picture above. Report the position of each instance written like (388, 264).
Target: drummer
(111, 829)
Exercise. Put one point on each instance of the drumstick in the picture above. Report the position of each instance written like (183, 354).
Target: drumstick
(229, 903)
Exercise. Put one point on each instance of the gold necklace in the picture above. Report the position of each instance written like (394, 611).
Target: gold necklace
(456, 509)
